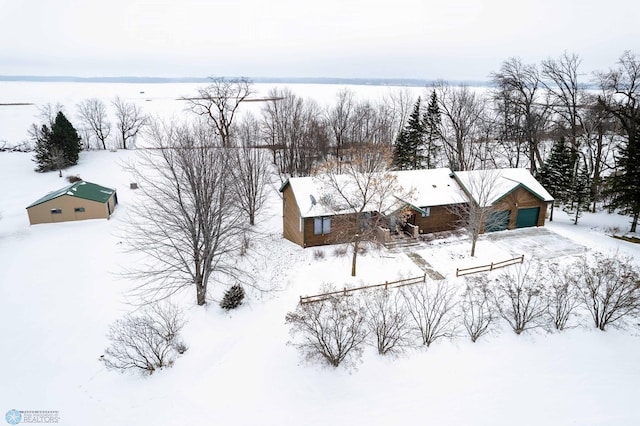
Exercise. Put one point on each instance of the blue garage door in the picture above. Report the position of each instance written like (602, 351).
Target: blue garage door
(497, 221)
(527, 217)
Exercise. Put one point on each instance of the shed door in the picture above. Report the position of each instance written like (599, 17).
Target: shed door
(498, 221)
(527, 217)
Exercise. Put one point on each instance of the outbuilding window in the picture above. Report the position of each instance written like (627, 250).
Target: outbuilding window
(321, 225)
(426, 211)
(79, 210)
(56, 211)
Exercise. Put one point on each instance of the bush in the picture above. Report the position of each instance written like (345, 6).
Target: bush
(74, 178)
(146, 340)
(340, 251)
(609, 289)
(318, 254)
(387, 320)
(233, 297)
(478, 313)
(332, 330)
(432, 307)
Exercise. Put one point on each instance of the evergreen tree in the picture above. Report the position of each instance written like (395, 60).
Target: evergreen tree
(578, 192)
(56, 147)
(556, 174)
(625, 183)
(432, 131)
(407, 152)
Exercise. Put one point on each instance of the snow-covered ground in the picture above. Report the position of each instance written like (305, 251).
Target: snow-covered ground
(60, 289)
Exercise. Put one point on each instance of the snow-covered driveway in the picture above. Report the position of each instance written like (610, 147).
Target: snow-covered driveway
(537, 242)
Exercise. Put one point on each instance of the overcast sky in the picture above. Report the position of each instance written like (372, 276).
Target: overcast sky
(451, 39)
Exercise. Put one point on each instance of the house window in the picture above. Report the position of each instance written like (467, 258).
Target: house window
(321, 225)
(79, 210)
(427, 211)
(56, 211)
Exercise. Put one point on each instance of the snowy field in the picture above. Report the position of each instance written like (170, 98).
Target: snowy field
(60, 289)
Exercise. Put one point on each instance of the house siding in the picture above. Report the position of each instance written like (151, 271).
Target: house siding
(41, 213)
(520, 198)
(291, 217)
(441, 218)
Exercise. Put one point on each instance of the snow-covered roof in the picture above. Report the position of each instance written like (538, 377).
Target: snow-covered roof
(491, 185)
(430, 187)
(420, 188)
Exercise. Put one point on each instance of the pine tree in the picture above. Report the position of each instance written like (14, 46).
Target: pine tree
(56, 147)
(432, 131)
(556, 174)
(624, 190)
(407, 152)
(579, 192)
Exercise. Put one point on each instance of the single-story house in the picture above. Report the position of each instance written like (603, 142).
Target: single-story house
(516, 198)
(431, 197)
(78, 201)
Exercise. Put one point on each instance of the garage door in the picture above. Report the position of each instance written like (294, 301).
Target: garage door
(527, 217)
(497, 221)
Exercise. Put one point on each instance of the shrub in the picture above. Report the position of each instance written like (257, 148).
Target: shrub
(146, 340)
(340, 251)
(609, 289)
(478, 313)
(74, 178)
(432, 307)
(318, 254)
(388, 320)
(332, 330)
(232, 298)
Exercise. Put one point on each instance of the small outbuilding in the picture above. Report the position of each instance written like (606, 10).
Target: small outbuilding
(78, 201)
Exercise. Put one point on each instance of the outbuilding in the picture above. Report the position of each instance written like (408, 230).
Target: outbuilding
(78, 201)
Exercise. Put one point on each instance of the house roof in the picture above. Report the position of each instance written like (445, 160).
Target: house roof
(82, 189)
(490, 186)
(421, 188)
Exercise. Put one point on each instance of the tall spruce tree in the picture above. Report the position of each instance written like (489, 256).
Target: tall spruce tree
(56, 147)
(432, 131)
(578, 193)
(407, 152)
(556, 174)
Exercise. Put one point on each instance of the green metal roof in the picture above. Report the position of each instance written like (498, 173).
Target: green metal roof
(82, 189)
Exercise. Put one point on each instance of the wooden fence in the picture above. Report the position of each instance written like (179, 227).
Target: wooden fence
(347, 291)
(485, 268)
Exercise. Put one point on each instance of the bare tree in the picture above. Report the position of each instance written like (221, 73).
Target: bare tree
(462, 113)
(294, 132)
(360, 191)
(250, 169)
(219, 103)
(188, 221)
(93, 115)
(479, 214)
(388, 320)
(332, 330)
(129, 121)
(562, 299)
(519, 296)
(432, 307)
(609, 288)
(518, 87)
(146, 340)
(340, 118)
(478, 312)
(561, 81)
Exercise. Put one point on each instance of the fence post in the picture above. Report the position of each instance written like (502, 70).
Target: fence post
(457, 271)
(491, 266)
(345, 291)
(386, 285)
(424, 278)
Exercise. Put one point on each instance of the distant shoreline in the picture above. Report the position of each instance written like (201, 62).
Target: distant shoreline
(415, 82)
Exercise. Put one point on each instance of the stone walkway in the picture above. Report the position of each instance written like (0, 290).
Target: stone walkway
(424, 265)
